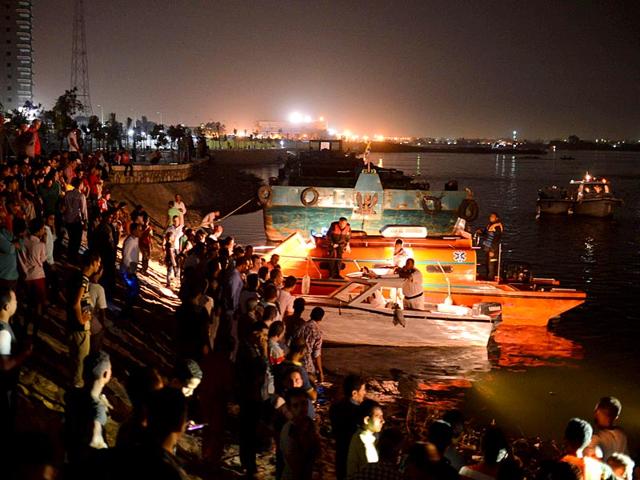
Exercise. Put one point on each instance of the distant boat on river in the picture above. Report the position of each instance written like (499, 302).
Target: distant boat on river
(590, 197)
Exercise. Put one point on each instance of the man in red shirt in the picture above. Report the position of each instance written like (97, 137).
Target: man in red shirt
(37, 146)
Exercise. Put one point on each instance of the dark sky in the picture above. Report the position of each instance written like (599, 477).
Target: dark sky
(450, 68)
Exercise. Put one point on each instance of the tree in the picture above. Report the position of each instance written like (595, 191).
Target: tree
(113, 131)
(92, 129)
(62, 113)
(158, 135)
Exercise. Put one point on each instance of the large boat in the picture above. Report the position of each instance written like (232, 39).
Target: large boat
(318, 186)
(590, 196)
(365, 311)
(448, 267)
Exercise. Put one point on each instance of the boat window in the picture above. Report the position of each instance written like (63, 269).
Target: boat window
(438, 269)
(351, 291)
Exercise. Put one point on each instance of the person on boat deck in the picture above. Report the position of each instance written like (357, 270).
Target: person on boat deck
(492, 235)
(400, 255)
(412, 285)
(338, 237)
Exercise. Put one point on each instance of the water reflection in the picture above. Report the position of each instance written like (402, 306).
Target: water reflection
(518, 346)
(439, 377)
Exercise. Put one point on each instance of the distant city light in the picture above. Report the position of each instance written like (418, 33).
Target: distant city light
(295, 117)
(130, 132)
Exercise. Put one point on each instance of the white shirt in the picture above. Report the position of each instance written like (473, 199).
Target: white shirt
(412, 285)
(130, 253)
(177, 233)
(5, 342)
(97, 296)
(400, 258)
(181, 206)
(32, 257)
(285, 300)
(51, 240)
(209, 220)
(72, 138)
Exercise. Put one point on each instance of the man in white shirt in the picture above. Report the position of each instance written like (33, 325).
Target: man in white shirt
(179, 204)
(74, 146)
(285, 298)
(412, 286)
(99, 314)
(10, 363)
(176, 229)
(400, 255)
(209, 220)
(31, 258)
(129, 266)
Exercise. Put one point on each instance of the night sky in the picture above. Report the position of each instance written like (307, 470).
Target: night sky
(451, 68)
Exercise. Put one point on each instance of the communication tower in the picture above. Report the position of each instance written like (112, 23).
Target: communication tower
(79, 63)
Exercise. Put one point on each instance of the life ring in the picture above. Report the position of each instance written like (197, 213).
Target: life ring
(431, 204)
(468, 210)
(264, 195)
(304, 196)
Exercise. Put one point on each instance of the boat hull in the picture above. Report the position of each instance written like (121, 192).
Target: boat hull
(367, 206)
(596, 207)
(554, 207)
(350, 326)
(534, 308)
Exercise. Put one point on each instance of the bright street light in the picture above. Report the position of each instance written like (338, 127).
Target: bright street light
(101, 114)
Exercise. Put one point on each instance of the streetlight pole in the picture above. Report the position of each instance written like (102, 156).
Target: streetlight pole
(160, 113)
(101, 114)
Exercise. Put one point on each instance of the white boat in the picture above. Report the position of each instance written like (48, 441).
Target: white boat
(590, 197)
(366, 311)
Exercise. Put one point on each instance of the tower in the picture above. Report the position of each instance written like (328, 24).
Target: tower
(16, 74)
(79, 63)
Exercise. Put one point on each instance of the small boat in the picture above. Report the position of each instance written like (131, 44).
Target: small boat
(590, 196)
(448, 266)
(366, 311)
(554, 200)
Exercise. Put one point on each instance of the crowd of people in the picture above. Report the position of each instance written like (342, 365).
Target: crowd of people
(242, 337)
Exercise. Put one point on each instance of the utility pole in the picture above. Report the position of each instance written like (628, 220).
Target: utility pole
(79, 62)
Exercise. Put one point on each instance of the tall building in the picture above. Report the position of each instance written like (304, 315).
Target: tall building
(16, 74)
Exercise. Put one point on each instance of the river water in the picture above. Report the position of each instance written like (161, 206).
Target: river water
(537, 378)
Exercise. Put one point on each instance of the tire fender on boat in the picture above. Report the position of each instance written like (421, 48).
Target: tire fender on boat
(304, 196)
(431, 204)
(468, 210)
(264, 195)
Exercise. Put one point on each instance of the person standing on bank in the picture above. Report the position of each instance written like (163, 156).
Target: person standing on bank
(492, 236)
(11, 360)
(338, 236)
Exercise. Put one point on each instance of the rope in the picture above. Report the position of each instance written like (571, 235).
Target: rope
(234, 211)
